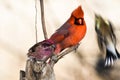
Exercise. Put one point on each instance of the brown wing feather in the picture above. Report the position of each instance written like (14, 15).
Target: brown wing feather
(61, 33)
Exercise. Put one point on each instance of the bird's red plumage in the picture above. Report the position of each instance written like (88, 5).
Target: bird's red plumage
(69, 34)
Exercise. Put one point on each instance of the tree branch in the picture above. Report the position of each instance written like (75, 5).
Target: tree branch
(67, 51)
(36, 35)
(55, 58)
(43, 19)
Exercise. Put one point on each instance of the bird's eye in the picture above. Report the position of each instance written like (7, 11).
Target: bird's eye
(78, 21)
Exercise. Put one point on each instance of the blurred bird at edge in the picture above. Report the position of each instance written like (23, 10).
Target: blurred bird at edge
(106, 39)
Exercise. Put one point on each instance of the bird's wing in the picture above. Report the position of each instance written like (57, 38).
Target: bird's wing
(100, 38)
(65, 26)
(61, 33)
(64, 29)
(112, 33)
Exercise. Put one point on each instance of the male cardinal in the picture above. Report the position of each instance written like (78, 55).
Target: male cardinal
(107, 38)
(69, 34)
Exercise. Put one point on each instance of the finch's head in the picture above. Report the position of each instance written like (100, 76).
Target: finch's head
(98, 18)
(101, 21)
(78, 13)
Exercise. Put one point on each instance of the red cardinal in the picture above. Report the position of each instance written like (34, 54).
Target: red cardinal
(71, 32)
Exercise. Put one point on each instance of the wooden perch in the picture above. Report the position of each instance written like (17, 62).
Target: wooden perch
(39, 70)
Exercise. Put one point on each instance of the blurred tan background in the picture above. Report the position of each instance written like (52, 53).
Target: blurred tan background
(17, 35)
